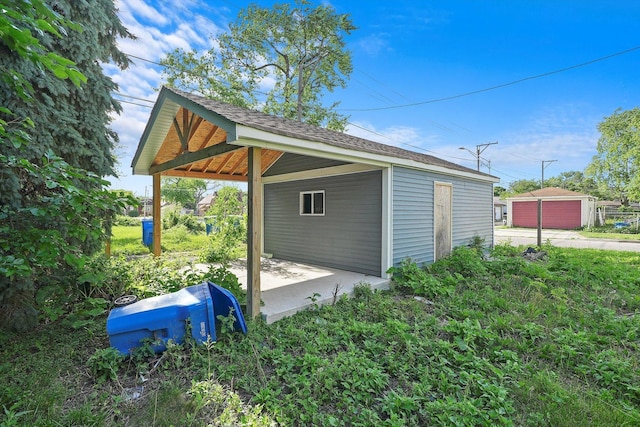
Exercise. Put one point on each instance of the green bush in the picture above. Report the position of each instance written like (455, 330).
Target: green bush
(127, 221)
(151, 276)
(225, 245)
(104, 364)
(178, 233)
(221, 276)
(173, 218)
(215, 251)
(463, 260)
(408, 277)
(106, 277)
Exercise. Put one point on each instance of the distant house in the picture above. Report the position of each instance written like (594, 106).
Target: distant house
(561, 209)
(205, 204)
(499, 209)
(145, 207)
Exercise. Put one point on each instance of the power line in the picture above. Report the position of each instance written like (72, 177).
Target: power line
(514, 82)
(415, 147)
(134, 97)
(383, 84)
(134, 103)
(391, 139)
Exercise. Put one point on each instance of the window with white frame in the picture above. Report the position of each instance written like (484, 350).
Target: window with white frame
(312, 202)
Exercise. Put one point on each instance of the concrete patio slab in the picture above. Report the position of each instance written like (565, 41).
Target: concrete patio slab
(288, 287)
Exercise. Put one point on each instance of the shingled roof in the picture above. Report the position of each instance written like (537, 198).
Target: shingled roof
(304, 131)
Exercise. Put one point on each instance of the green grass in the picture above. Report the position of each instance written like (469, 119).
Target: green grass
(487, 343)
(608, 231)
(127, 240)
(610, 235)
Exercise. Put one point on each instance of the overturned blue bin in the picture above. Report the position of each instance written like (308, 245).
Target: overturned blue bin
(165, 317)
(147, 232)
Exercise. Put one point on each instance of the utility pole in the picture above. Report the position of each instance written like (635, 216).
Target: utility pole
(488, 165)
(543, 168)
(479, 150)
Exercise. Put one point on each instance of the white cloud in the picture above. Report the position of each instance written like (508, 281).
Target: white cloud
(374, 44)
(143, 10)
(159, 30)
(406, 137)
(564, 133)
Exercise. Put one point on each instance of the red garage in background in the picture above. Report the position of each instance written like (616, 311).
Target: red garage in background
(561, 209)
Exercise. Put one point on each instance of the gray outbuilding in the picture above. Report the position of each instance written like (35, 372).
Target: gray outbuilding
(318, 196)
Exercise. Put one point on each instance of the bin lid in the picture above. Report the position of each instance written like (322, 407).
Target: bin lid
(223, 299)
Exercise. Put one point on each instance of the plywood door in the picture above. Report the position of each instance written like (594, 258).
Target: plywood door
(443, 196)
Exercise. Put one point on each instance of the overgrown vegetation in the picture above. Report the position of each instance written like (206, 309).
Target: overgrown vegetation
(54, 206)
(173, 218)
(229, 224)
(465, 341)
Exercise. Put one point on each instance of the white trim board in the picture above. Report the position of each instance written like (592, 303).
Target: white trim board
(320, 173)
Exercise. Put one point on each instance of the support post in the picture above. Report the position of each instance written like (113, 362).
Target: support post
(539, 223)
(254, 237)
(157, 217)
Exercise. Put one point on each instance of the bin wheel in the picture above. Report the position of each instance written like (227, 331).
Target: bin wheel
(125, 300)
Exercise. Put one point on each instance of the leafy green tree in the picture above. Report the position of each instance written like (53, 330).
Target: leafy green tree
(51, 210)
(523, 186)
(72, 121)
(498, 190)
(617, 163)
(579, 182)
(186, 192)
(229, 201)
(301, 47)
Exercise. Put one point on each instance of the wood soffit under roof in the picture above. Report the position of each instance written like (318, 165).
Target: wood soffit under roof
(196, 148)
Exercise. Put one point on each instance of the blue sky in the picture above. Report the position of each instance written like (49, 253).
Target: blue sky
(409, 54)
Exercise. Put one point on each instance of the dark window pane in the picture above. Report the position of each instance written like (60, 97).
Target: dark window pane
(318, 203)
(306, 203)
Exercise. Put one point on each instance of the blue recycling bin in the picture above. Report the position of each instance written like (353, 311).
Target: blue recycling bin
(147, 232)
(209, 228)
(167, 317)
(163, 318)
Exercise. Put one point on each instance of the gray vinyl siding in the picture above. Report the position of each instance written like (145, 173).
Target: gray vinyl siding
(347, 237)
(412, 216)
(289, 163)
(413, 224)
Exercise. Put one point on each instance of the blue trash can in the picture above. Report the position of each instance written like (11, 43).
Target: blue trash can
(147, 232)
(209, 228)
(163, 318)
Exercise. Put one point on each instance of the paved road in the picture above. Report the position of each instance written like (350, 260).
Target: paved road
(562, 238)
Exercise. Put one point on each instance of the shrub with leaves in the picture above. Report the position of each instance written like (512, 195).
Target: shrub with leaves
(48, 234)
(228, 223)
(104, 364)
(174, 218)
(408, 277)
(126, 220)
(222, 276)
(463, 260)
